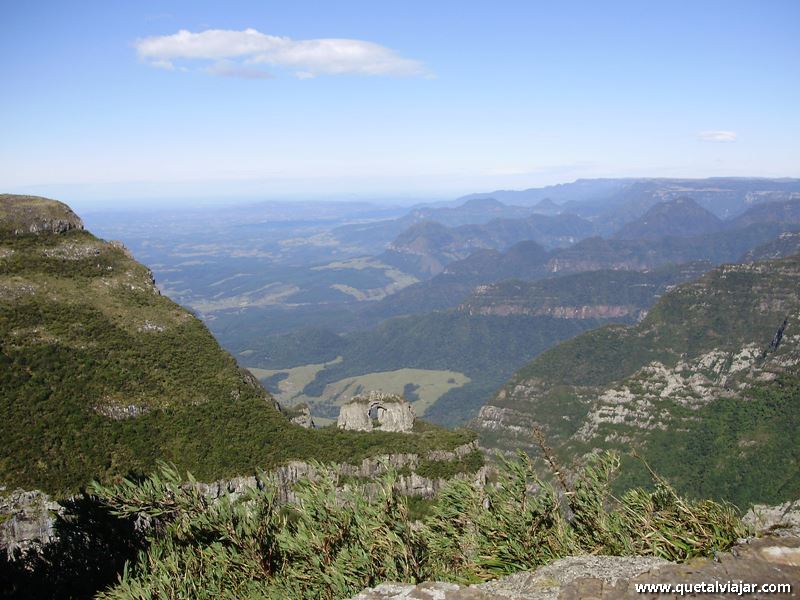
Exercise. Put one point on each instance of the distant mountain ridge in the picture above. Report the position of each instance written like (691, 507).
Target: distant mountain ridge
(595, 294)
(434, 245)
(786, 244)
(453, 284)
(723, 196)
(679, 217)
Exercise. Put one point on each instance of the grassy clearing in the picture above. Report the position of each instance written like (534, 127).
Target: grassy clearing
(399, 279)
(431, 385)
(269, 295)
(297, 378)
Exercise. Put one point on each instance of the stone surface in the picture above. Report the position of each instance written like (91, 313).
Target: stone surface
(377, 410)
(548, 581)
(26, 519)
(423, 591)
(781, 519)
(301, 415)
(769, 560)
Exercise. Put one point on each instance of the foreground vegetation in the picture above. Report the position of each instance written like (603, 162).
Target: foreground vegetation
(332, 544)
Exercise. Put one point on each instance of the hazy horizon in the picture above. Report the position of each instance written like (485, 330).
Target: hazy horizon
(91, 203)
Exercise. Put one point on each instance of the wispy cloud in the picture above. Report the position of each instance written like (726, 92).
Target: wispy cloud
(717, 136)
(235, 53)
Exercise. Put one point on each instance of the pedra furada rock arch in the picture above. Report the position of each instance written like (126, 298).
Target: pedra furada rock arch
(377, 411)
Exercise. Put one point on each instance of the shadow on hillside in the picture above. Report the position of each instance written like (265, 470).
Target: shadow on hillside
(89, 553)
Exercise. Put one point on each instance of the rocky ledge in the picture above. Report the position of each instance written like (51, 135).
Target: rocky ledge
(21, 215)
(772, 559)
(769, 560)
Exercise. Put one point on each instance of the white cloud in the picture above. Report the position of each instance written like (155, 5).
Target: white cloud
(308, 58)
(717, 136)
(227, 68)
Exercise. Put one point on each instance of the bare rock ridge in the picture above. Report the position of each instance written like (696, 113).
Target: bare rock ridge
(377, 410)
(35, 215)
(409, 482)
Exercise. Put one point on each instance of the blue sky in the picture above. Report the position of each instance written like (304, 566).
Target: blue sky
(107, 103)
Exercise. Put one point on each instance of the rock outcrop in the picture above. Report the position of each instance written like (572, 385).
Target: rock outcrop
(26, 519)
(782, 519)
(301, 415)
(376, 410)
(766, 561)
(34, 215)
(408, 483)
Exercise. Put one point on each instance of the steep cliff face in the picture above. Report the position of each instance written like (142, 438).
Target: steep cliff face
(416, 477)
(26, 519)
(607, 294)
(705, 387)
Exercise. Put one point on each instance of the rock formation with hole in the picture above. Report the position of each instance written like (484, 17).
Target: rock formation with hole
(377, 411)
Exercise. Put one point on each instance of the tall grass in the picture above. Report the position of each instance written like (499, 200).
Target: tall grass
(333, 543)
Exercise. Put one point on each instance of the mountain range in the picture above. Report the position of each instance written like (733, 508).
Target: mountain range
(431, 346)
(447, 342)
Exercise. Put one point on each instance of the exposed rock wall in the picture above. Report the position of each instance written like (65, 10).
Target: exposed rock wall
(593, 311)
(301, 415)
(726, 314)
(26, 519)
(376, 410)
(408, 484)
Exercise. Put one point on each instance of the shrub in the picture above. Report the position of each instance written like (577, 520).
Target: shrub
(333, 543)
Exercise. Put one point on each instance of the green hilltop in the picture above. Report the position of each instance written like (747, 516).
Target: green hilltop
(102, 376)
